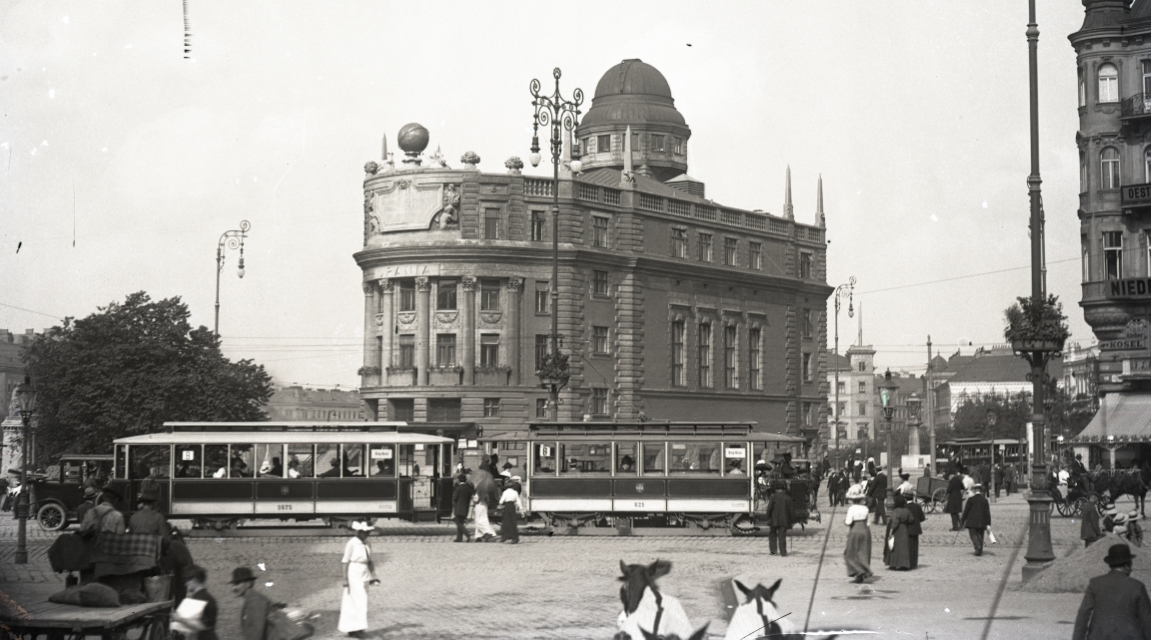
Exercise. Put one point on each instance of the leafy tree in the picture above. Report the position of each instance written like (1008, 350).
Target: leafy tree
(130, 367)
(1012, 412)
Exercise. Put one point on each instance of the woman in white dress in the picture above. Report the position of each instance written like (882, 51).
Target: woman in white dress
(359, 572)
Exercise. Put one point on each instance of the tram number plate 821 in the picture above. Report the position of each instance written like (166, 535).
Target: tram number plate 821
(283, 507)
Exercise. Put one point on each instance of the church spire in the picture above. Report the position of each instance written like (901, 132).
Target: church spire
(820, 219)
(788, 210)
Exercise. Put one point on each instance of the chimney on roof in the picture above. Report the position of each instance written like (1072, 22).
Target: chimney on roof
(687, 184)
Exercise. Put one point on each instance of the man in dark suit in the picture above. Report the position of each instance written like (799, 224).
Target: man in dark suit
(1115, 604)
(954, 500)
(254, 614)
(461, 503)
(976, 517)
(779, 507)
(877, 491)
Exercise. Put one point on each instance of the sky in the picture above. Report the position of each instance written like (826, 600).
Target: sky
(123, 161)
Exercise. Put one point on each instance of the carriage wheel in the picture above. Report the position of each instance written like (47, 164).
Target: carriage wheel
(1063, 508)
(1079, 506)
(52, 517)
(938, 500)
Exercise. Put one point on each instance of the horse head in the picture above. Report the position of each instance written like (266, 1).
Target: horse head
(758, 616)
(645, 608)
(697, 635)
(636, 578)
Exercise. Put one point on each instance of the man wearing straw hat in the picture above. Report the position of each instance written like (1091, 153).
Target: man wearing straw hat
(1115, 604)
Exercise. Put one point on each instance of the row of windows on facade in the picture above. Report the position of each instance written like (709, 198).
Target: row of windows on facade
(680, 247)
(1110, 175)
(1112, 245)
(656, 142)
(1108, 83)
(449, 410)
(730, 352)
(447, 296)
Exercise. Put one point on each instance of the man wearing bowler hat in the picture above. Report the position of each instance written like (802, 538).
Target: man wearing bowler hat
(104, 518)
(1115, 604)
(254, 615)
(778, 515)
(88, 503)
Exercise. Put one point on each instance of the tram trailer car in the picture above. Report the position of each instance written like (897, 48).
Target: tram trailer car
(221, 474)
(588, 474)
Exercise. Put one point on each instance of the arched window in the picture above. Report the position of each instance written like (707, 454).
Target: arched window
(1083, 188)
(1109, 163)
(1082, 89)
(1147, 164)
(1108, 83)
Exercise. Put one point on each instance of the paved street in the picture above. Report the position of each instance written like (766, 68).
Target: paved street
(565, 587)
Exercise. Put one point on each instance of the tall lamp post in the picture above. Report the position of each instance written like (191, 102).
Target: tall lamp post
(914, 403)
(560, 114)
(887, 392)
(992, 418)
(26, 396)
(233, 239)
(845, 290)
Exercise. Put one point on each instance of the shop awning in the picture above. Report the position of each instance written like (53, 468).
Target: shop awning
(1122, 417)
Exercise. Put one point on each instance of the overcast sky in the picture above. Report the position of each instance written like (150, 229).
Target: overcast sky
(123, 162)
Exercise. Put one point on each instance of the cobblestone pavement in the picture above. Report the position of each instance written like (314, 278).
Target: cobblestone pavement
(565, 586)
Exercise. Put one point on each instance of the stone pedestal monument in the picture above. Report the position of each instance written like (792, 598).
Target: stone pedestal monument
(12, 439)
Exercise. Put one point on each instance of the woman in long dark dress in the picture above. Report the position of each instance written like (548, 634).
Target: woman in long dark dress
(914, 530)
(857, 553)
(897, 555)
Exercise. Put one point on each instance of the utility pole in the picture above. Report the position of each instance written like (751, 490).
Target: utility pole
(931, 411)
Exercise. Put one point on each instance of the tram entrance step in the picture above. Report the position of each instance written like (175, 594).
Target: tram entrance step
(424, 515)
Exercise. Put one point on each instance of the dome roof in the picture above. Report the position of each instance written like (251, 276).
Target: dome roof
(633, 92)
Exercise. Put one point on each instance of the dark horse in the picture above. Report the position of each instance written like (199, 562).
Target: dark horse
(647, 613)
(1125, 482)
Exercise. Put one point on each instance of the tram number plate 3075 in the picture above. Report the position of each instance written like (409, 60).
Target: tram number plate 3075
(283, 507)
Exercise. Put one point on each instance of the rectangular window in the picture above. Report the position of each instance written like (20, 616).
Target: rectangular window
(679, 243)
(599, 340)
(542, 295)
(446, 349)
(705, 247)
(730, 247)
(863, 387)
(538, 226)
(842, 387)
(705, 355)
(599, 231)
(1087, 256)
(1113, 254)
(492, 224)
(407, 296)
(654, 459)
(541, 407)
(657, 143)
(1146, 80)
(805, 320)
(755, 255)
(694, 458)
(730, 380)
(1108, 83)
(599, 283)
(599, 402)
(804, 265)
(807, 414)
(407, 351)
(446, 295)
(603, 144)
(862, 408)
(541, 349)
(753, 337)
(678, 353)
(807, 368)
(1109, 168)
(491, 407)
(490, 350)
(489, 295)
(1083, 87)
(1146, 243)
(677, 145)
(402, 410)
(585, 458)
(443, 409)
(841, 410)
(863, 367)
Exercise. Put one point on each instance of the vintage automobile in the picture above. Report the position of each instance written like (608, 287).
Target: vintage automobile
(54, 499)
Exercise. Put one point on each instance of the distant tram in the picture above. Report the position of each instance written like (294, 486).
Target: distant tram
(680, 474)
(972, 452)
(218, 474)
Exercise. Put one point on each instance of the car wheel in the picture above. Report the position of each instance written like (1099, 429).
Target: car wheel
(52, 517)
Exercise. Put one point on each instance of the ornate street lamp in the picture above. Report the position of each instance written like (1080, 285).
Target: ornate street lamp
(233, 239)
(554, 371)
(845, 290)
(887, 392)
(26, 397)
(992, 418)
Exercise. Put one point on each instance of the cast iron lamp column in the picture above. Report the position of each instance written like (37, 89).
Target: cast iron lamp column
(26, 396)
(233, 239)
(844, 290)
(992, 417)
(887, 392)
(553, 110)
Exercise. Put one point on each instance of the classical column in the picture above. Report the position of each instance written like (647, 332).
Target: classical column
(514, 286)
(369, 328)
(468, 328)
(386, 325)
(423, 328)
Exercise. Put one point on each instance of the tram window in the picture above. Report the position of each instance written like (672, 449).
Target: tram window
(693, 459)
(121, 461)
(383, 459)
(241, 461)
(545, 459)
(653, 459)
(300, 463)
(353, 460)
(271, 460)
(328, 459)
(734, 459)
(189, 461)
(625, 459)
(215, 461)
(408, 466)
(149, 461)
(585, 458)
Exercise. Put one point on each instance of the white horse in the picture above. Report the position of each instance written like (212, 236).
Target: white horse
(648, 614)
(758, 617)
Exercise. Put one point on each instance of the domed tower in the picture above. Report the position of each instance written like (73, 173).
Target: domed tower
(634, 93)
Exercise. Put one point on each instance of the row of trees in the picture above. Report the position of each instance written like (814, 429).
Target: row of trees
(130, 367)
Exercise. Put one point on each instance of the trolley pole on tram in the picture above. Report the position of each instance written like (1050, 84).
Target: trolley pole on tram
(554, 370)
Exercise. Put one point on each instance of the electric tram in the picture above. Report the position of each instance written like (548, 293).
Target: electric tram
(218, 474)
(679, 474)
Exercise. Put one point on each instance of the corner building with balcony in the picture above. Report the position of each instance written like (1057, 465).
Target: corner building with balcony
(671, 306)
(1113, 55)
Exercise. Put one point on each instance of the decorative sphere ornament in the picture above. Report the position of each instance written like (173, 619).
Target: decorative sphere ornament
(413, 138)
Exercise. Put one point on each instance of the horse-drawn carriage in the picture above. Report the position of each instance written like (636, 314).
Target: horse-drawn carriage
(931, 493)
(1072, 498)
(801, 481)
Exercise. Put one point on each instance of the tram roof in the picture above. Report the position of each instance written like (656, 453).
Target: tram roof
(642, 431)
(284, 437)
(302, 425)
